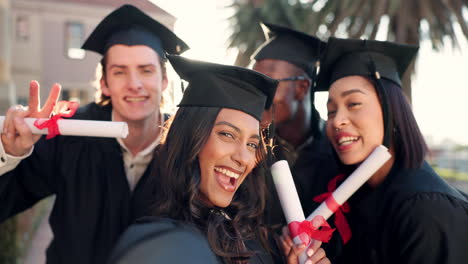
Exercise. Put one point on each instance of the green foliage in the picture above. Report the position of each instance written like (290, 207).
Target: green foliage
(8, 245)
(450, 174)
(349, 18)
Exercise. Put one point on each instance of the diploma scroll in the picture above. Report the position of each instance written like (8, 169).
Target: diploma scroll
(288, 196)
(73, 127)
(376, 159)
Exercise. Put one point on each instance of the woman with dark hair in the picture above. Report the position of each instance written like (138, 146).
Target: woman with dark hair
(405, 213)
(210, 160)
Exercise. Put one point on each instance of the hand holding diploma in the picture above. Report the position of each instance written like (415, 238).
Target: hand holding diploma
(334, 200)
(301, 231)
(17, 137)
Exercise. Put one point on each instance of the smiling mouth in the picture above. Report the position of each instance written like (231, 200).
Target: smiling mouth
(227, 178)
(135, 99)
(344, 141)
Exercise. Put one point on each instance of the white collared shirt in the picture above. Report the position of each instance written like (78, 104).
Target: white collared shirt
(135, 166)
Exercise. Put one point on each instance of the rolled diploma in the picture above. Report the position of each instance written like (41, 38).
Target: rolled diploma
(73, 127)
(288, 196)
(376, 159)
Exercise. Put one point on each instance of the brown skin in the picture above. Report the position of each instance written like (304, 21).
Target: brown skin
(315, 254)
(292, 106)
(355, 119)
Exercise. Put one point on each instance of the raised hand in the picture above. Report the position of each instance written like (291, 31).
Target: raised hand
(315, 254)
(17, 137)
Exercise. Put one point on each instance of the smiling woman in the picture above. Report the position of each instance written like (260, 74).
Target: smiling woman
(405, 213)
(209, 163)
(209, 167)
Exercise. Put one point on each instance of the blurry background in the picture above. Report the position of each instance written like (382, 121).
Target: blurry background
(41, 40)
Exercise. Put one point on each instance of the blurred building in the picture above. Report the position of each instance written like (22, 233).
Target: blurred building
(41, 40)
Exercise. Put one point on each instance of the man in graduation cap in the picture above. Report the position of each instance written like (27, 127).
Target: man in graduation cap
(96, 180)
(292, 57)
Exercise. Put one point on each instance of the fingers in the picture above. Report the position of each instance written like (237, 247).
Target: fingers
(25, 140)
(34, 98)
(51, 100)
(324, 261)
(9, 128)
(318, 256)
(315, 245)
(294, 252)
(285, 246)
(17, 138)
(286, 236)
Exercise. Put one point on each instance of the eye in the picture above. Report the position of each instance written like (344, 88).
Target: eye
(331, 113)
(353, 104)
(226, 134)
(253, 145)
(118, 72)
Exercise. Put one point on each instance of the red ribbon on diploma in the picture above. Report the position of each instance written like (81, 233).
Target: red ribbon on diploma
(317, 229)
(62, 109)
(339, 210)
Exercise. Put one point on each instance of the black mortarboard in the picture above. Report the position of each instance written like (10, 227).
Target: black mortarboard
(162, 241)
(372, 58)
(346, 57)
(290, 45)
(128, 25)
(224, 86)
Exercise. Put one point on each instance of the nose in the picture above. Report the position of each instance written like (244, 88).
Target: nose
(134, 82)
(242, 156)
(340, 119)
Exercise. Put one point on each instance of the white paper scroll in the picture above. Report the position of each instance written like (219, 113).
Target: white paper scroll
(288, 196)
(72, 127)
(376, 159)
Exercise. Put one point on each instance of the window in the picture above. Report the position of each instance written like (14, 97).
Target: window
(74, 35)
(22, 28)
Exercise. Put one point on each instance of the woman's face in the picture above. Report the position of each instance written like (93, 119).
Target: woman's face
(228, 156)
(355, 120)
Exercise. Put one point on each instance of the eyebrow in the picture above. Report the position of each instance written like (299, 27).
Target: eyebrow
(220, 123)
(139, 66)
(348, 92)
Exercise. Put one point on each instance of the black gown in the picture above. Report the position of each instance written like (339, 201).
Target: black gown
(414, 216)
(312, 166)
(94, 203)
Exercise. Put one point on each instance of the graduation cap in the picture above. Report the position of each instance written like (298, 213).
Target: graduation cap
(290, 45)
(162, 240)
(224, 86)
(346, 57)
(128, 25)
(372, 58)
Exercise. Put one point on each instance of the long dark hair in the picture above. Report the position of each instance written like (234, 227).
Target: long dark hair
(407, 139)
(177, 193)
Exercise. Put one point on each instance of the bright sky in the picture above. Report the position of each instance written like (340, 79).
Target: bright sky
(440, 86)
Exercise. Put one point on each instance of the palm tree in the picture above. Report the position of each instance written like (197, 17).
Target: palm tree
(408, 21)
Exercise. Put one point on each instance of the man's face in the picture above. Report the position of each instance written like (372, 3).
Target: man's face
(285, 102)
(134, 81)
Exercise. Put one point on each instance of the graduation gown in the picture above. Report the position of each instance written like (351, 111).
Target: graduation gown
(93, 204)
(163, 240)
(311, 167)
(414, 216)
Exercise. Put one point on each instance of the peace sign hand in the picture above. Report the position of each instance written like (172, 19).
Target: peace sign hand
(17, 137)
